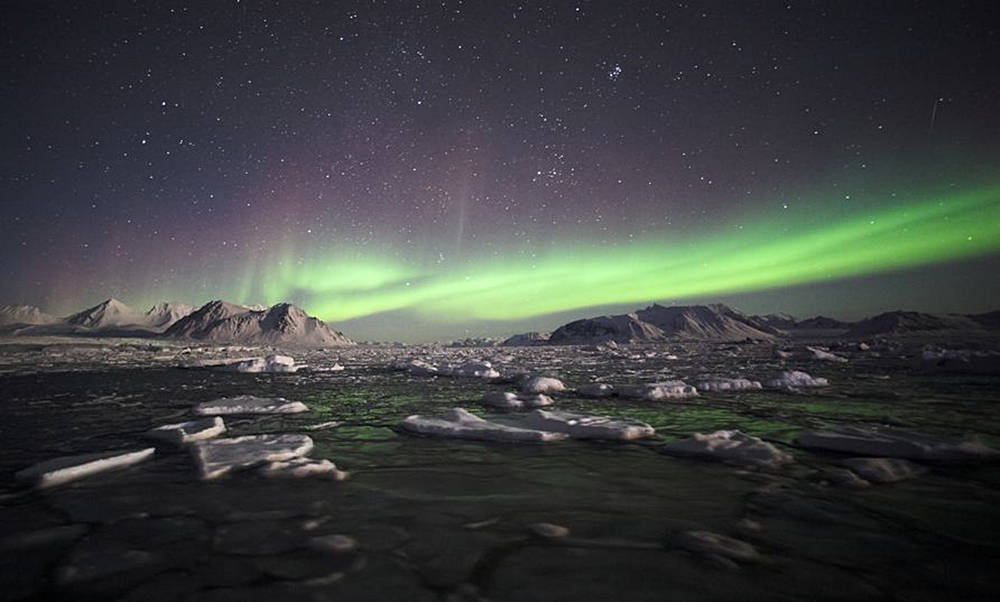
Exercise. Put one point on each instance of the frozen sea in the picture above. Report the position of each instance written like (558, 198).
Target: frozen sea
(441, 519)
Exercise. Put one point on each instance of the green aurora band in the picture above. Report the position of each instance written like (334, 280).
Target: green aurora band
(767, 253)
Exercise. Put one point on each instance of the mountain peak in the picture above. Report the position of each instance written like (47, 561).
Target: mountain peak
(282, 323)
(24, 314)
(107, 313)
(657, 322)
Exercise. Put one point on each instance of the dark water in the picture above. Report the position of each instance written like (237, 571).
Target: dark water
(445, 519)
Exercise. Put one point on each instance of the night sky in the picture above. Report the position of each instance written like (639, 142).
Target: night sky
(412, 170)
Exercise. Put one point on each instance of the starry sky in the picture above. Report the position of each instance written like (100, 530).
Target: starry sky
(415, 170)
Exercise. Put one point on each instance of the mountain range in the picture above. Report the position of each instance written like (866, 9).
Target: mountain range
(216, 321)
(285, 324)
(718, 322)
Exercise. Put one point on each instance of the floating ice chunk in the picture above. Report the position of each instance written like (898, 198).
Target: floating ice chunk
(548, 530)
(727, 384)
(817, 353)
(249, 404)
(538, 400)
(476, 369)
(420, 368)
(322, 426)
(596, 390)
(542, 384)
(502, 399)
(669, 389)
(893, 443)
(188, 432)
(460, 424)
(217, 457)
(333, 544)
(334, 368)
(583, 426)
(298, 468)
(271, 363)
(733, 446)
(714, 544)
(70, 468)
(791, 379)
(960, 361)
(884, 470)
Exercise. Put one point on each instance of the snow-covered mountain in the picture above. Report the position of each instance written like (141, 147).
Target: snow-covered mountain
(906, 322)
(715, 322)
(822, 323)
(779, 321)
(24, 314)
(527, 338)
(110, 313)
(625, 328)
(163, 315)
(220, 321)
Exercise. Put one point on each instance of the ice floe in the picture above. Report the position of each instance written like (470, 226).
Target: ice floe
(504, 399)
(793, 379)
(716, 545)
(731, 446)
(893, 443)
(539, 425)
(583, 426)
(548, 530)
(70, 468)
(884, 470)
(188, 432)
(249, 404)
(669, 389)
(417, 368)
(542, 384)
(271, 363)
(333, 544)
(298, 468)
(216, 457)
(727, 384)
(322, 426)
(818, 353)
(472, 369)
(596, 390)
(960, 361)
(469, 369)
(459, 423)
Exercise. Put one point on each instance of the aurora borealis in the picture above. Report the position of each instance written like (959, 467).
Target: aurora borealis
(771, 252)
(438, 170)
